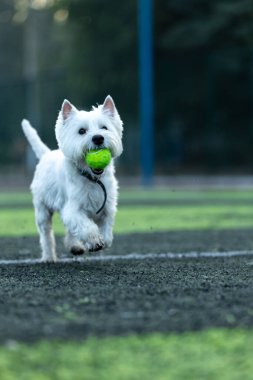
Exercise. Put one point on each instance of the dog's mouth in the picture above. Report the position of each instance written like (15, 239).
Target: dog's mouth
(97, 171)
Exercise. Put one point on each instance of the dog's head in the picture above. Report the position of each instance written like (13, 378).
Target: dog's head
(79, 131)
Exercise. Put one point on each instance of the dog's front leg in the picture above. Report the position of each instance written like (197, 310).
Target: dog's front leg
(106, 228)
(82, 228)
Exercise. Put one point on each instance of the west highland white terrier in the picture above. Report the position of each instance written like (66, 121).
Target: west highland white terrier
(86, 199)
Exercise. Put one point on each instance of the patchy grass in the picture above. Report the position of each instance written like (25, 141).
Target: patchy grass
(17, 219)
(168, 194)
(216, 354)
(159, 194)
(150, 219)
(15, 198)
(20, 222)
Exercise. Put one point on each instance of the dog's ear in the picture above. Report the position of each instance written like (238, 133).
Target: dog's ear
(67, 108)
(108, 107)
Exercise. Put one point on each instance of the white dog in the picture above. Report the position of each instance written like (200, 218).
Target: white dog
(86, 199)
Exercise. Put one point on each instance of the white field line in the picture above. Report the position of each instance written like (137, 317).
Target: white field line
(135, 256)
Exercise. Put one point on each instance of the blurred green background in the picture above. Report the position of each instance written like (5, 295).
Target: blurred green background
(84, 49)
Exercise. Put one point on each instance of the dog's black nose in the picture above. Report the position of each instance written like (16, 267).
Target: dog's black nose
(98, 139)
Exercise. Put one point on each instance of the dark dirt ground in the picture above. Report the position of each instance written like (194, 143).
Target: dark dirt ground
(75, 300)
(157, 242)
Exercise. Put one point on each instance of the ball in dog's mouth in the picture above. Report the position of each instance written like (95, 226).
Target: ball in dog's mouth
(98, 159)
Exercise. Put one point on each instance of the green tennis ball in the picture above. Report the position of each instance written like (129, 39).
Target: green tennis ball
(98, 158)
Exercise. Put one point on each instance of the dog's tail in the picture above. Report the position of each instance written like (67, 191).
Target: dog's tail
(33, 138)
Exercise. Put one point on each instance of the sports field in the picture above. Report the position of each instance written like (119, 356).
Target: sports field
(172, 298)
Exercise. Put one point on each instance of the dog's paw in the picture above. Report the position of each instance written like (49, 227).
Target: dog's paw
(97, 247)
(93, 241)
(73, 245)
(77, 250)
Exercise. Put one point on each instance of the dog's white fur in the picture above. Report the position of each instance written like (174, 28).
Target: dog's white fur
(58, 185)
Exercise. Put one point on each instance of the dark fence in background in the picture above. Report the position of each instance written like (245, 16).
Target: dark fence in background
(203, 73)
(15, 101)
(203, 115)
(208, 122)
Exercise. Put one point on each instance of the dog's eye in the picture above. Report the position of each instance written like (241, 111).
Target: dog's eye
(104, 127)
(82, 131)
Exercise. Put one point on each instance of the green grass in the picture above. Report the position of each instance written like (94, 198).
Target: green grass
(19, 222)
(209, 355)
(135, 194)
(149, 219)
(15, 198)
(216, 354)
(191, 195)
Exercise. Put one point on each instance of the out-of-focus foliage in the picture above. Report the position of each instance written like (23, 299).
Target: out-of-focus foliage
(208, 24)
(204, 84)
(85, 49)
(105, 49)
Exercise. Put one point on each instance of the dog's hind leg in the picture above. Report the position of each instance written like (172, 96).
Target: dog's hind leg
(73, 245)
(43, 218)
